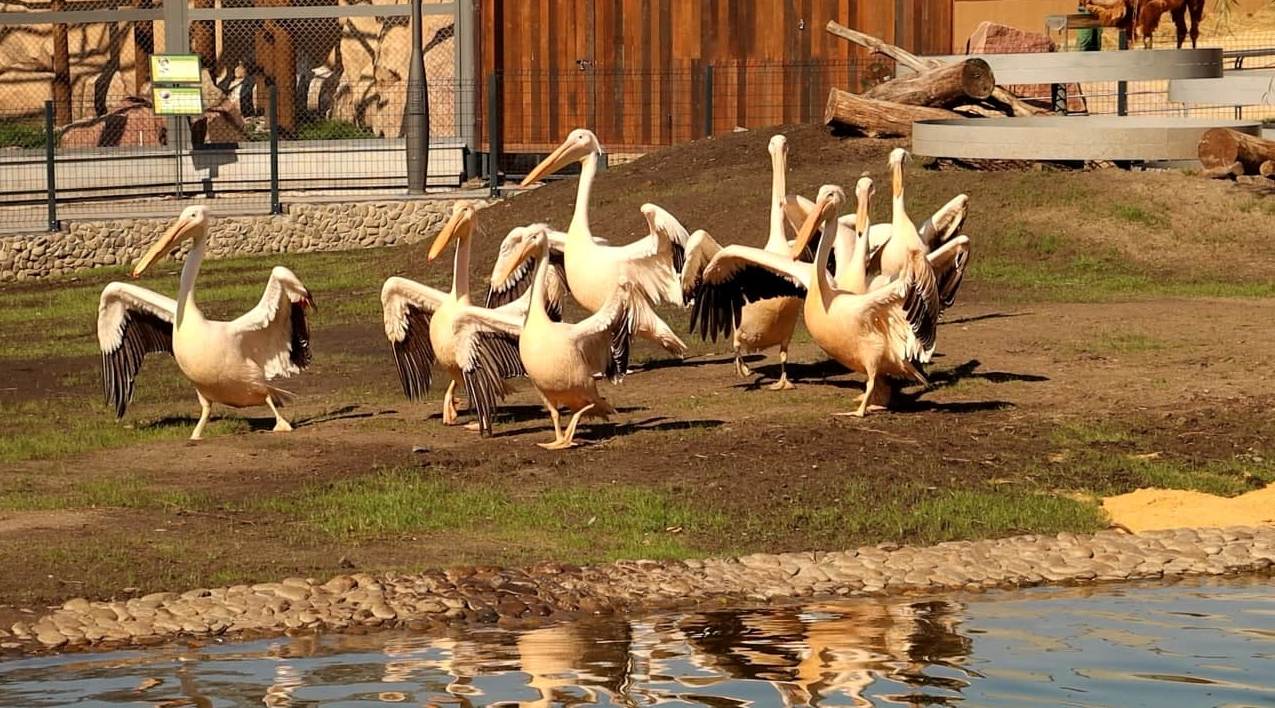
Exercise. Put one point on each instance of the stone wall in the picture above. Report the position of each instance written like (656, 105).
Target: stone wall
(305, 228)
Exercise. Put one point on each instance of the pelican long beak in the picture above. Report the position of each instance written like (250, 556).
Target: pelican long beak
(180, 229)
(462, 222)
(897, 157)
(823, 207)
(562, 156)
(863, 193)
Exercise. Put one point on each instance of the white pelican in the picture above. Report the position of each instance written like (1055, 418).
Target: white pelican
(418, 321)
(560, 358)
(763, 323)
(885, 332)
(504, 291)
(229, 363)
(594, 270)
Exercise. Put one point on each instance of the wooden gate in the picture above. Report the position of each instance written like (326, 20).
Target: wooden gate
(638, 71)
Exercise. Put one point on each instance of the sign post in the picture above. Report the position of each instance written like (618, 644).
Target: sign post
(176, 91)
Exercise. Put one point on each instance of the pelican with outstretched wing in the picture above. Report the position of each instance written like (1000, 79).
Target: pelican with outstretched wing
(230, 363)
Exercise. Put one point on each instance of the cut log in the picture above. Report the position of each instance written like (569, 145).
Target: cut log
(1230, 171)
(874, 118)
(1267, 168)
(1223, 146)
(1014, 103)
(941, 86)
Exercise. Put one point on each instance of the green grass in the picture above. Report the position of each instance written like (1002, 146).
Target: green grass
(126, 492)
(918, 514)
(1136, 214)
(329, 129)
(1090, 280)
(21, 134)
(580, 523)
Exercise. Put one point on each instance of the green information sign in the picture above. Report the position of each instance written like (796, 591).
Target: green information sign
(175, 68)
(178, 101)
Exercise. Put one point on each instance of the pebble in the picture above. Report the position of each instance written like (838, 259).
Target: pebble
(492, 595)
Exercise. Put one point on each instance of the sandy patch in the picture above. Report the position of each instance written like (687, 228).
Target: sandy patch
(1147, 509)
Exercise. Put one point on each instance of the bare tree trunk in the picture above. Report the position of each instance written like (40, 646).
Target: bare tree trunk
(876, 118)
(143, 48)
(1267, 168)
(203, 40)
(912, 61)
(61, 69)
(942, 86)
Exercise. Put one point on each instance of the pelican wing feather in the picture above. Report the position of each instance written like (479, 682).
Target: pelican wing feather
(131, 323)
(407, 307)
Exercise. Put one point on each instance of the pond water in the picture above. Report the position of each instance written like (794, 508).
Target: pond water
(1196, 643)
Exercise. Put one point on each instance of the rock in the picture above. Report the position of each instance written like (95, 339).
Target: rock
(995, 38)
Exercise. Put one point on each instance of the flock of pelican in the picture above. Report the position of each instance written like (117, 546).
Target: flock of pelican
(870, 294)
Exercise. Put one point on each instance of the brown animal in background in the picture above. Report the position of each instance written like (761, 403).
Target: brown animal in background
(1149, 13)
(1142, 17)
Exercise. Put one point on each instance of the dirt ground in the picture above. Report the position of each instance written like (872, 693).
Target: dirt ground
(1032, 390)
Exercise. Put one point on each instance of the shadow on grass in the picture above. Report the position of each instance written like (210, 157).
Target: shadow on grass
(969, 370)
(352, 412)
(599, 431)
(986, 316)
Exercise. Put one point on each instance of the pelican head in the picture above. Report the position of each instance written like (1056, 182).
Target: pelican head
(521, 245)
(192, 223)
(898, 156)
(827, 205)
(460, 226)
(580, 143)
(778, 146)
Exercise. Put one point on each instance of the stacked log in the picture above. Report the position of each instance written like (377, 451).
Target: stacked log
(938, 90)
(1229, 153)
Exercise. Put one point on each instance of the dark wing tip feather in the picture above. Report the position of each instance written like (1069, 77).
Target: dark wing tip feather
(414, 356)
(495, 358)
(300, 353)
(143, 333)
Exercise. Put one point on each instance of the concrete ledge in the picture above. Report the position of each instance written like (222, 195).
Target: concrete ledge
(1068, 137)
(1078, 67)
(528, 596)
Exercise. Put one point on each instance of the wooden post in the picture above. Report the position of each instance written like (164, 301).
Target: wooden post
(874, 118)
(143, 48)
(61, 68)
(943, 86)
(203, 40)
(1220, 147)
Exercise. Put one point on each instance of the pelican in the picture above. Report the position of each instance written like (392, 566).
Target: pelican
(418, 321)
(942, 226)
(504, 291)
(763, 323)
(560, 358)
(594, 271)
(230, 363)
(885, 332)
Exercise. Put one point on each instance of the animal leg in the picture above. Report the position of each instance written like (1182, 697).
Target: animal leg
(280, 425)
(880, 400)
(557, 424)
(783, 384)
(862, 410)
(206, 408)
(568, 440)
(1179, 23)
(741, 369)
(449, 404)
(1197, 12)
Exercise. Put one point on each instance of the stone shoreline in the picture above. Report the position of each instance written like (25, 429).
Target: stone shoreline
(550, 591)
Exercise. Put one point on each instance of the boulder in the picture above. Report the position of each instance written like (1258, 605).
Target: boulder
(995, 38)
(222, 123)
(132, 123)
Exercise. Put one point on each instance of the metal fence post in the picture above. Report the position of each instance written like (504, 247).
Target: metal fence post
(273, 116)
(494, 133)
(708, 101)
(1122, 87)
(50, 172)
(417, 113)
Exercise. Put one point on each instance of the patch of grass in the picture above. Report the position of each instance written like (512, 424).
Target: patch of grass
(329, 129)
(1222, 477)
(126, 492)
(927, 515)
(1136, 214)
(1092, 280)
(21, 134)
(1083, 433)
(580, 523)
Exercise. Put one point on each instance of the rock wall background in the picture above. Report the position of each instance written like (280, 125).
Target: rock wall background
(305, 228)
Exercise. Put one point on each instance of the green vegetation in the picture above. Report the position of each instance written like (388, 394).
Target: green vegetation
(1137, 214)
(126, 492)
(329, 129)
(581, 523)
(21, 134)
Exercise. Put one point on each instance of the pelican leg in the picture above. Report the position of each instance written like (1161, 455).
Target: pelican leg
(880, 400)
(863, 401)
(449, 404)
(280, 425)
(206, 409)
(557, 424)
(740, 367)
(783, 384)
(568, 440)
